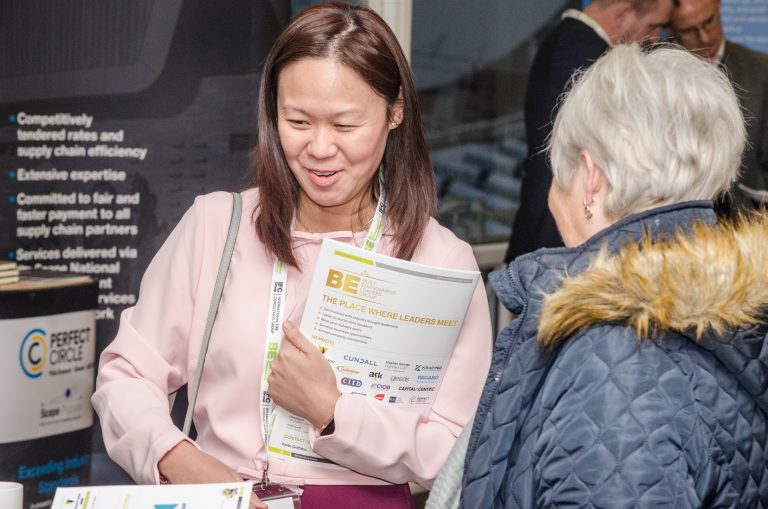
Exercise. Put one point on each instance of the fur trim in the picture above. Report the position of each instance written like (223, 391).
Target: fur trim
(712, 279)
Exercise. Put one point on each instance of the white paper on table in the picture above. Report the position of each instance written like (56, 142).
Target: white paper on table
(280, 503)
(234, 495)
(386, 326)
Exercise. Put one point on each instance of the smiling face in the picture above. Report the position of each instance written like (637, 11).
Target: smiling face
(333, 130)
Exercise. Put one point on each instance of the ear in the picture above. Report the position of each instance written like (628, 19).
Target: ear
(396, 111)
(624, 17)
(595, 183)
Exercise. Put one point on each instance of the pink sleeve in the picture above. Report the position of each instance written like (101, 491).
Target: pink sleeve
(149, 357)
(399, 446)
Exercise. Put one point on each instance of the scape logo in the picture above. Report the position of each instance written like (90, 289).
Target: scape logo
(33, 352)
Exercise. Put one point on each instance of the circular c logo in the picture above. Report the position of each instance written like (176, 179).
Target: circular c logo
(33, 352)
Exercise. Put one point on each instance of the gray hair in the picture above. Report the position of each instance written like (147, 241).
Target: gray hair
(664, 126)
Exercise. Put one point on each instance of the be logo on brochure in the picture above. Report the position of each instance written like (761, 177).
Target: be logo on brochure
(347, 283)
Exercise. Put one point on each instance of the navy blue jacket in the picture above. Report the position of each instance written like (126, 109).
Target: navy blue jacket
(609, 417)
(570, 46)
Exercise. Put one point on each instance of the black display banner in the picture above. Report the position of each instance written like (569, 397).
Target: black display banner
(47, 347)
(113, 116)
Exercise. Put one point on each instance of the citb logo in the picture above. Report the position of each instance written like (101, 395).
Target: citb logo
(352, 382)
(33, 352)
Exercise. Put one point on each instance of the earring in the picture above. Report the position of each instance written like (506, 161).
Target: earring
(587, 210)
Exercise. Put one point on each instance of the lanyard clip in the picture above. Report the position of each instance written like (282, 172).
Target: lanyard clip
(265, 476)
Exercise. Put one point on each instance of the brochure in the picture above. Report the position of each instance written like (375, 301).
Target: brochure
(386, 326)
(234, 495)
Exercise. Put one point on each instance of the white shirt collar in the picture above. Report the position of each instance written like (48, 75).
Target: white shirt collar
(590, 22)
(720, 52)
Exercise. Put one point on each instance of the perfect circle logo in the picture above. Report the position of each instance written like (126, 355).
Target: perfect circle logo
(33, 352)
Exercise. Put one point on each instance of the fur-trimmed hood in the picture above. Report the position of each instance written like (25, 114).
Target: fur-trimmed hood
(602, 419)
(710, 281)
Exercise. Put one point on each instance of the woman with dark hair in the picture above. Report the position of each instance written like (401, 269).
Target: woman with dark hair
(341, 154)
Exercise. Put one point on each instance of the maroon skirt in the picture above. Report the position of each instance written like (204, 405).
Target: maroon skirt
(391, 496)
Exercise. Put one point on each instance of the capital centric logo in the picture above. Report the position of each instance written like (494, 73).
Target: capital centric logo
(33, 352)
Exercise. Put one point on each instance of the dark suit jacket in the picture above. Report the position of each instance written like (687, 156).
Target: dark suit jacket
(748, 71)
(570, 46)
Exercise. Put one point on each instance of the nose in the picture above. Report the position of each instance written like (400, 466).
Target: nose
(322, 145)
(704, 36)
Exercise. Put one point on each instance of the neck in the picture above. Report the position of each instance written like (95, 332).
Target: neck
(314, 218)
(605, 17)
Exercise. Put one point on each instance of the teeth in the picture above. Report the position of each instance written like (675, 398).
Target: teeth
(323, 173)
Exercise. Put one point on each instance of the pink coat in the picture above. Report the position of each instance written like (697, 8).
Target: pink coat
(157, 346)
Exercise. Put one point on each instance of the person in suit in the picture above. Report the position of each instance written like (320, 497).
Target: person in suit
(696, 26)
(577, 41)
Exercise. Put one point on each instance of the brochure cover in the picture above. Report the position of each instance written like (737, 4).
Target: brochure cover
(386, 326)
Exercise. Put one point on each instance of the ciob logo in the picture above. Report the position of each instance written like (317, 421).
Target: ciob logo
(33, 352)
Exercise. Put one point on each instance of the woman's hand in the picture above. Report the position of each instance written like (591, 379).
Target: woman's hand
(302, 381)
(186, 464)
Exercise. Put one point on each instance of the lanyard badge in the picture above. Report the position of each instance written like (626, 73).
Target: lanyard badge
(274, 333)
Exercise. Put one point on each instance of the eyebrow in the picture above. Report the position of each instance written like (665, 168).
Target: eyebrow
(334, 115)
(696, 27)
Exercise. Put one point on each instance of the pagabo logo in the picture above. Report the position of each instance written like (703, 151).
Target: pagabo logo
(33, 352)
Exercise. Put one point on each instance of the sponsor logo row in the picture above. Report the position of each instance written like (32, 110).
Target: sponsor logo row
(355, 382)
(376, 375)
(417, 400)
(393, 365)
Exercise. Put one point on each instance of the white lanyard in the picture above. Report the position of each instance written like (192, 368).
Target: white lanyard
(275, 321)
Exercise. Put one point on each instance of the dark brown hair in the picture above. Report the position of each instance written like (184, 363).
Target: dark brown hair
(358, 38)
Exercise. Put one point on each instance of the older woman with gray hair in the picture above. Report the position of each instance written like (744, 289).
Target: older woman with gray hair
(635, 372)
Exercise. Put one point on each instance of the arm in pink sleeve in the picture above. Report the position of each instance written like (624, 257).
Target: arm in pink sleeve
(399, 446)
(148, 358)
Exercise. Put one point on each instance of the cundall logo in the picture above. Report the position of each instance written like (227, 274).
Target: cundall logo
(33, 353)
(360, 360)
